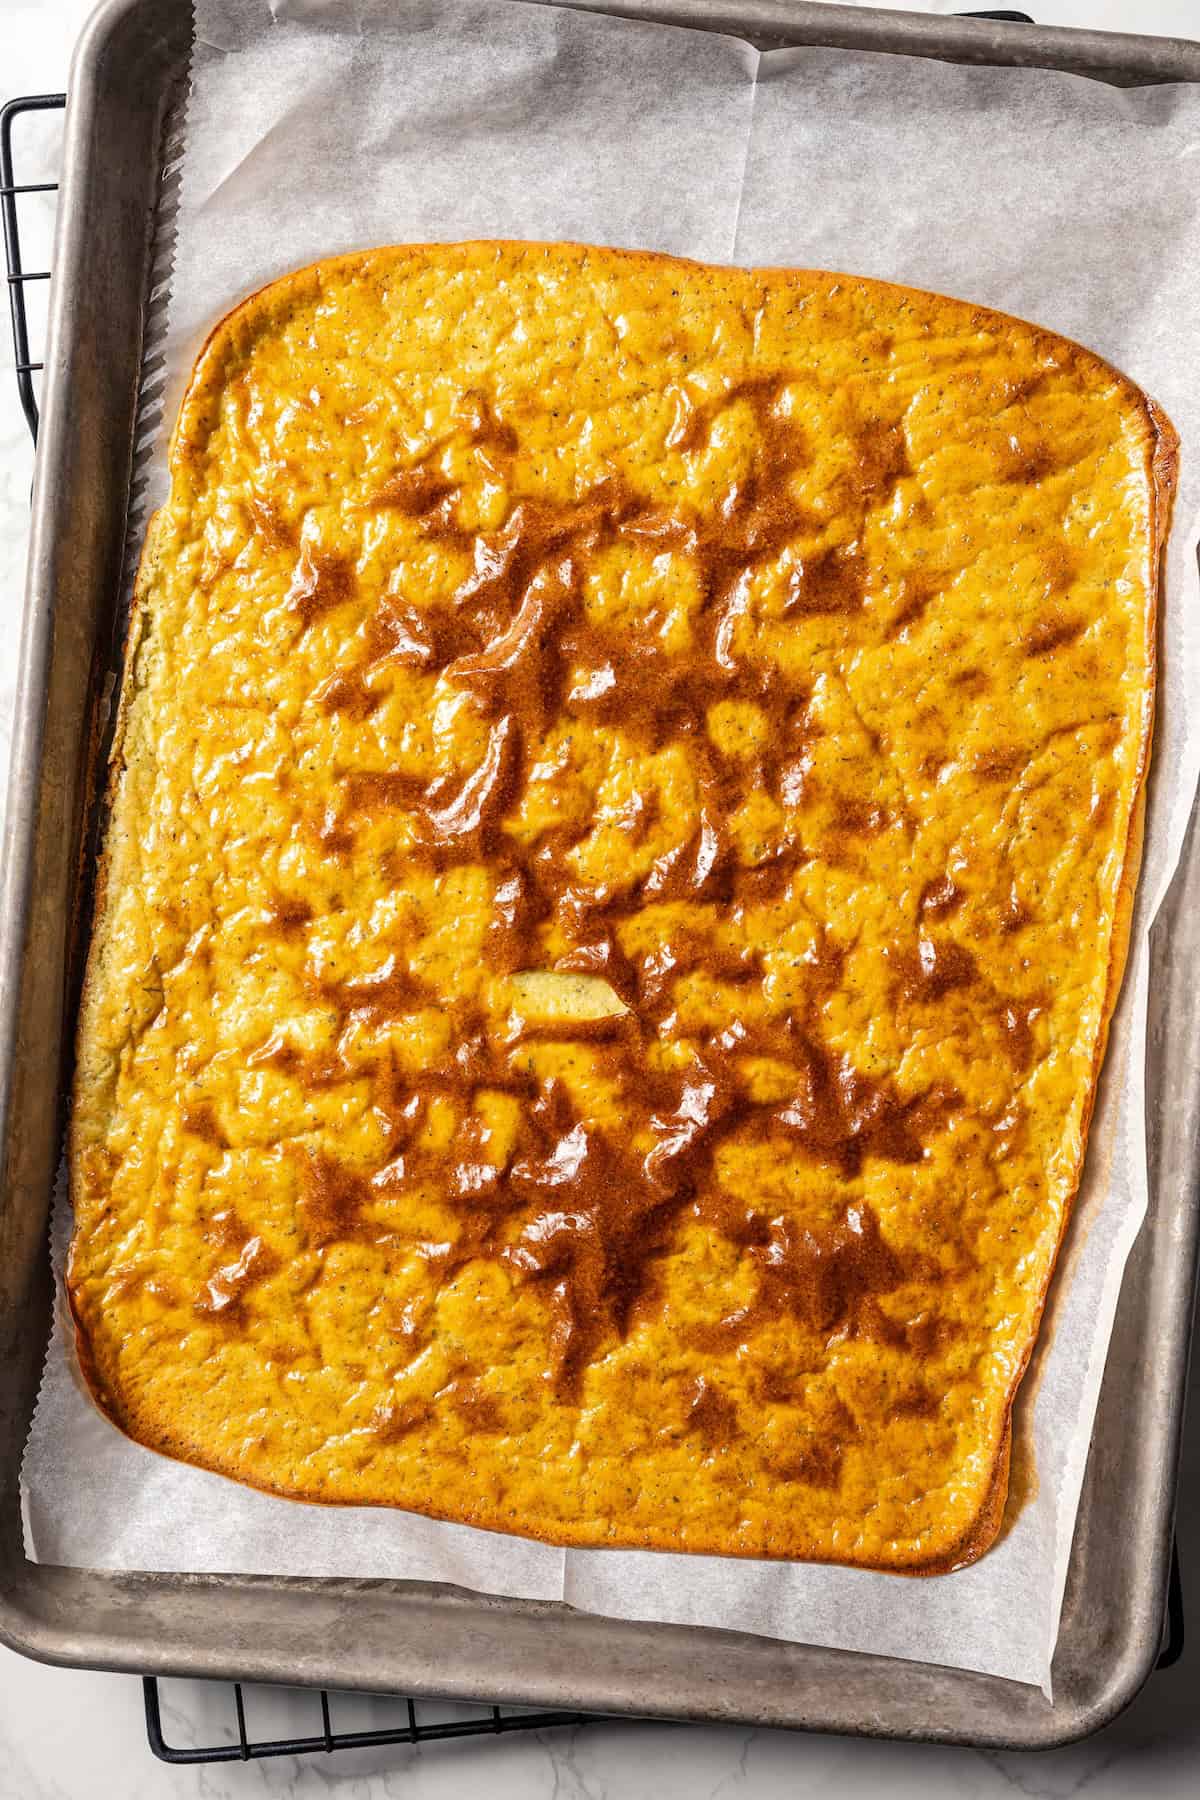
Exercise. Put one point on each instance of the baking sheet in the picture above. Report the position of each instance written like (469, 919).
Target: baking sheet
(316, 127)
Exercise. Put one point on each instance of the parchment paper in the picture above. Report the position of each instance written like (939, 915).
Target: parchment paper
(321, 125)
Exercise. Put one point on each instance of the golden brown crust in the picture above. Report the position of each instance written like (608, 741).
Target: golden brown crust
(809, 1499)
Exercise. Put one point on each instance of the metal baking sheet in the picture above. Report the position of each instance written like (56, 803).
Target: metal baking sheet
(416, 1637)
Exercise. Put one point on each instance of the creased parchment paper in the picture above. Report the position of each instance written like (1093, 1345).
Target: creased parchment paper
(316, 127)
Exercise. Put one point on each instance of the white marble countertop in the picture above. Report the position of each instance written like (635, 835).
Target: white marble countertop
(66, 1733)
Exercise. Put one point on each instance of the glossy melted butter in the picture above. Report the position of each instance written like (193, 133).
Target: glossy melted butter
(614, 896)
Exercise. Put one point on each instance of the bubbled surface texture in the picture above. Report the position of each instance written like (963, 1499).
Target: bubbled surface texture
(623, 820)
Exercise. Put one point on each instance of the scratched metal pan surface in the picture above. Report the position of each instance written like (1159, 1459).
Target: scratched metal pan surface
(418, 1638)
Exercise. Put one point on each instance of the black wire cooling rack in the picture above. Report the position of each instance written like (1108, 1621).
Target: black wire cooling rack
(491, 1720)
(11, 191)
